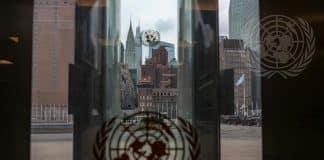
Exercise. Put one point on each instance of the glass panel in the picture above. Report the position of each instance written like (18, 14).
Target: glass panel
(121, 79)
(240, 83)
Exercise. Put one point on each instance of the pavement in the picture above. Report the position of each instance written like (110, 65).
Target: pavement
(51, 147)
(241, 143)
(237, 143)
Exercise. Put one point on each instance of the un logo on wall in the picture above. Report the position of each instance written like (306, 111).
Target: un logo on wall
(146, 136)
(283, 47)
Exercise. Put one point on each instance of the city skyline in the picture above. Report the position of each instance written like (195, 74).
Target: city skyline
(150, 18)
(146, 51)
(165, 22)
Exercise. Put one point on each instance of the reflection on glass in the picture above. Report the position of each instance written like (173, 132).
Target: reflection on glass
(5, 62)
(240, 86)
(8, 50)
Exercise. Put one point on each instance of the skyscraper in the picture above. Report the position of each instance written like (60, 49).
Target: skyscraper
(234, 57)
(130, 53)
(164, 101)
(53, 51)
(122, 54)
(157, 88)
(138, 50)
(127, 90)
(168, 46)
(243, 14)
(133, 53)
(138, 44)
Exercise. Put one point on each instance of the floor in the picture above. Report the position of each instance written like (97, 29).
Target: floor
(237, 143)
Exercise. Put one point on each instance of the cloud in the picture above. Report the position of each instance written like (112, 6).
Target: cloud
(165, 25)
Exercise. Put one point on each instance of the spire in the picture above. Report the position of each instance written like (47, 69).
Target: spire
(130, 35)
(139, 25)
(138, 32)
(130, 23)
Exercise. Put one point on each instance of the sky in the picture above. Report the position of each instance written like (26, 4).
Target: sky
(223, 17)
(160, 15)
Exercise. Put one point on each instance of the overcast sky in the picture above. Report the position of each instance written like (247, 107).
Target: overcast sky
(223, 16)
(160, 15)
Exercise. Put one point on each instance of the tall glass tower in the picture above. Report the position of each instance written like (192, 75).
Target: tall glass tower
(243, 14)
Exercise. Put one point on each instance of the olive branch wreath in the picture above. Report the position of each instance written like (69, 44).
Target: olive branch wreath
(192, 138)
(308, 52)
(298, 67)
(103, 135)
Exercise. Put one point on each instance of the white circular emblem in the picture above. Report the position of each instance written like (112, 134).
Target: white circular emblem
(287, 46)
(150, 37)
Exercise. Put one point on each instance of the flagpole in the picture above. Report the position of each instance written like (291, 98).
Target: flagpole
(244, 101)
(238, 84)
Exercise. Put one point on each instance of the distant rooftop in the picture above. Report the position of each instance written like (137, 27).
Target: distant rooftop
(233, 44)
